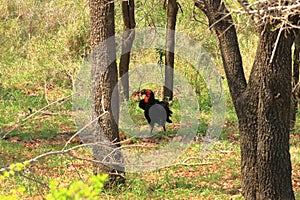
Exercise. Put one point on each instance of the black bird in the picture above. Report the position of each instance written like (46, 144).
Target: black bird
(155, 111)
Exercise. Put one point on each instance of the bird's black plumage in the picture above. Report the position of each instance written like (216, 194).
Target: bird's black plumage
(155, 111)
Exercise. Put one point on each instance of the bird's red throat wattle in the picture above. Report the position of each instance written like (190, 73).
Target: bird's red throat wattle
(148, 93)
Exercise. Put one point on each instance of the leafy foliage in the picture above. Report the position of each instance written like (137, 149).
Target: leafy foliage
(78, 190)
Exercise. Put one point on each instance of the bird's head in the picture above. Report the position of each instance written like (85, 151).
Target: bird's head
(148, 95)
(142, 94)
(146, 92)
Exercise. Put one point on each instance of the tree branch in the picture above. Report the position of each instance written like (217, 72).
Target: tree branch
(221, 23)
(20, 123)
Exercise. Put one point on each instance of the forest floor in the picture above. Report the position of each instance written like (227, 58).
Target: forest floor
(215, 176)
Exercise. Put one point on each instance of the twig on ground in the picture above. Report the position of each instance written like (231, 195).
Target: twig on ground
(187, 164)
(35, 180)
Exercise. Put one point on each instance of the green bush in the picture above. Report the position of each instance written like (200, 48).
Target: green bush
(78, 189)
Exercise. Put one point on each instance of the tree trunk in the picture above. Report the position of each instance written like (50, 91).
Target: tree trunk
(239, 90)
(104, 73)
(262, 105)
(170, 47)
(295, 81)
(127, 41)
(273, 157)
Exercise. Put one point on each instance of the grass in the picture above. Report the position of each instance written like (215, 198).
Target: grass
(215, 180)
(214, 176)
(43, 44)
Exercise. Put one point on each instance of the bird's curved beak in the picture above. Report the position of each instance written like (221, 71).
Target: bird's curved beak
(136, 96)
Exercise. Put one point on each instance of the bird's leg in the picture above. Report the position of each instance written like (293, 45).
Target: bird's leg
(164, 128)
(151, 129)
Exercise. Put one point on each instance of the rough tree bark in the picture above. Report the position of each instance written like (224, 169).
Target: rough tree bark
(104, 73)
(170, 47)
(273, 157)
(127, 41)
(262, 105)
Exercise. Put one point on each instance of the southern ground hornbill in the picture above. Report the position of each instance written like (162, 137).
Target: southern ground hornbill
(155, 111)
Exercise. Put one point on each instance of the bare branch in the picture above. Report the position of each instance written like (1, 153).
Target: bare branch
(35, 180)
(185, 162)
(20, 123)
(82, 129)
(271, 11)
(62, 152)
(276, 43)
(296, 91)
(245, 4)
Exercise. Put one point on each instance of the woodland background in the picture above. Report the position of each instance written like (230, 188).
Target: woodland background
(43, 44)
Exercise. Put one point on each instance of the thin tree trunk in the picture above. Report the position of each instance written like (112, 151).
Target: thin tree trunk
(127, 41)
(104, 73)
(244, 97)
(170, 47)
(295, 81)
